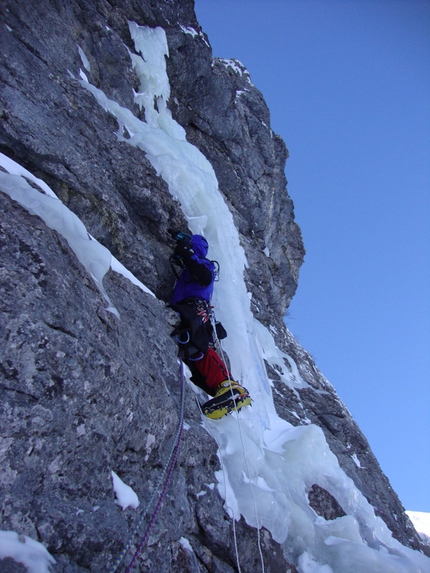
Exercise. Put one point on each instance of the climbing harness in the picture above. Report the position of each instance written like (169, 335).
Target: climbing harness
(163, 481)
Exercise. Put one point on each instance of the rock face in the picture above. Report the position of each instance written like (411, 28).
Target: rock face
(83, 393)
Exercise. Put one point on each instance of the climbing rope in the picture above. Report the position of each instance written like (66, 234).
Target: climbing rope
(236, 549)
(253, 499)
(257, 520)
(164, 480)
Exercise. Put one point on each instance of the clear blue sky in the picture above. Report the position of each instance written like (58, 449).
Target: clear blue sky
(348, 86)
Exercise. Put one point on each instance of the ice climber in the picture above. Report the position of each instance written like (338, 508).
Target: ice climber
(197, 333)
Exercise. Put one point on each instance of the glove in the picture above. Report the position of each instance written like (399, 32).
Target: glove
(183, 249)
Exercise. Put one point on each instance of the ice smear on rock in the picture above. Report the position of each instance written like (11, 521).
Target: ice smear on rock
(96, 258)
(93, 256)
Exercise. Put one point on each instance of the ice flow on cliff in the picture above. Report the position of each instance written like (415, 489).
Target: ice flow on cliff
(268, 465)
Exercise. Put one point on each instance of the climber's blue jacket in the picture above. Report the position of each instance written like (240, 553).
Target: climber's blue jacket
(196, 280)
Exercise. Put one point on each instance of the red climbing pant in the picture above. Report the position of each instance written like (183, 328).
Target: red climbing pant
(213, 369)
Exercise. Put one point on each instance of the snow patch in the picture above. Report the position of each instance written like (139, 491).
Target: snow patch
(192, 32)
(22, 549)
(189, 31)
(421, 522)
(125, 496)
(237, 67)
(186, 544)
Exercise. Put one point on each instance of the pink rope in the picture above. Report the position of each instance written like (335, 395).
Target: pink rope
(167, 480)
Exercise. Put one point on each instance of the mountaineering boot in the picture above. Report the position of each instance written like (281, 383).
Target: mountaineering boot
(230, 397)
(230, 387)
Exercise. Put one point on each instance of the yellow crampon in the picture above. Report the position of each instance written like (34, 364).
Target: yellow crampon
(222, 405)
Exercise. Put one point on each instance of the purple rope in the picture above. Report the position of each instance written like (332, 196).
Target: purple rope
(167, 481)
